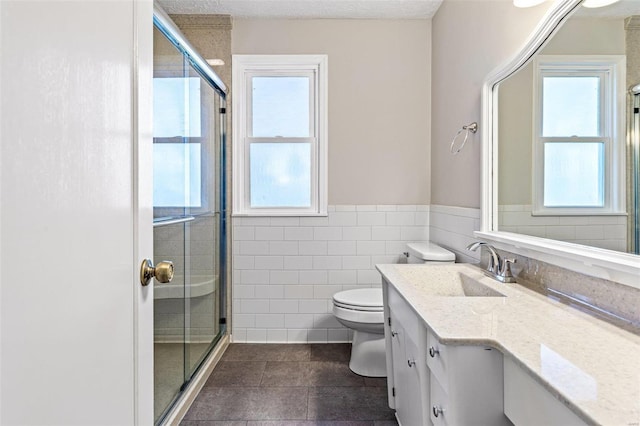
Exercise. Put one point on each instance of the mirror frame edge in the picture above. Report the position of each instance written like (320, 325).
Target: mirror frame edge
(620, 267)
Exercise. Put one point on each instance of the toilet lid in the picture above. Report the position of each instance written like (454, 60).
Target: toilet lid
(430, 252)
(361, 299)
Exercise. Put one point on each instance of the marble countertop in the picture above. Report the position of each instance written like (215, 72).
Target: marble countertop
(590, 365)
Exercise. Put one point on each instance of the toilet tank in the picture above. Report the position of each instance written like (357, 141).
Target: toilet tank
(428, 252)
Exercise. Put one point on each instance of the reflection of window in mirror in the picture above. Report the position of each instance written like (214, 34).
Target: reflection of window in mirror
(613, 38)
(611, 32)
(578, 138)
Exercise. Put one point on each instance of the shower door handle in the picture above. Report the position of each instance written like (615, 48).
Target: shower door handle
(162, 272)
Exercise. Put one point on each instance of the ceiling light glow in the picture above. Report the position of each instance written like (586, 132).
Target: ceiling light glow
(598, 3)
(527, 3)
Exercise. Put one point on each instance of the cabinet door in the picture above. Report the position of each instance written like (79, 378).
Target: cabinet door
(406, 377)
(439, 409)
(539, 407)
(411, 385)
(466, 385)
(398, 356)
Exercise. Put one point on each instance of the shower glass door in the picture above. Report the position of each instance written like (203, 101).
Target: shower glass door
(170, 70)
(202, 289)
(187, 149)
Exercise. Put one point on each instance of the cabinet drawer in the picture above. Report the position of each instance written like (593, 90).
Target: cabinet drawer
(405, 315)
(438, 360)
(439, 404)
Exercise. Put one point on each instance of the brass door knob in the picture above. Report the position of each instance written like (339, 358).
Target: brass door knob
(162, 272)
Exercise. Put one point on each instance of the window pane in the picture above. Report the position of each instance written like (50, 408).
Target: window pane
(574, 174)
(280, 106)
(280, 174)
(176, 175)
(571, 106)
(176, 107)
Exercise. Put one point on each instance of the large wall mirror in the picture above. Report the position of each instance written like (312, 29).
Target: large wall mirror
(565, 143)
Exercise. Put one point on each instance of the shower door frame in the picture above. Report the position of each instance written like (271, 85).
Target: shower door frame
(165, 25)
(633, 183)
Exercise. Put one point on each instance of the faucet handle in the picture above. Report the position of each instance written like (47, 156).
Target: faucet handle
(506, 267)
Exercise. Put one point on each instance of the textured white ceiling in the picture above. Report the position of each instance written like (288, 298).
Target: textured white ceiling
(345, 9)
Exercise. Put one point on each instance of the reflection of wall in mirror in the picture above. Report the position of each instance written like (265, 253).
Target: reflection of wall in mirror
(580, 36)
(632, 33)
(632, 27)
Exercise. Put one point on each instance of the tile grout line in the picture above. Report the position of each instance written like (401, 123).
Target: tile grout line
(308, 392)
(263, 373)
(308, 402)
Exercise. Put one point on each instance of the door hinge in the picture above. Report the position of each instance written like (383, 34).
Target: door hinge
(393, 390)
(389, 321)
(224, 111)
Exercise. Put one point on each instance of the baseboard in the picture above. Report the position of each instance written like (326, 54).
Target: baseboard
(177, 413)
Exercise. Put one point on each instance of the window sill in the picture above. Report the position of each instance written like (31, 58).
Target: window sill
(572, 212)
(280, 214)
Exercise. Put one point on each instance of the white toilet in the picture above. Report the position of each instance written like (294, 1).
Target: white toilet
(361, 310)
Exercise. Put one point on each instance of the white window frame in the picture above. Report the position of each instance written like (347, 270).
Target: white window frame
(244, 68)
(612, 70)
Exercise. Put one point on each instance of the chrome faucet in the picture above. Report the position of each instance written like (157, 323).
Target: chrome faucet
(497, 268)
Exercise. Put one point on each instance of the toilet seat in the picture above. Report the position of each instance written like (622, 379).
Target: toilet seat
(362, 305)
(362, 317)
(361, 299)
(358, 307)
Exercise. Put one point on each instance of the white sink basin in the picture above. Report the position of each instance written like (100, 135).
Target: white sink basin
(449, 281)
(473, 288)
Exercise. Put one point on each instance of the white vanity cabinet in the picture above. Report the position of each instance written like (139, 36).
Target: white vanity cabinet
(434, 384)
(482, 359)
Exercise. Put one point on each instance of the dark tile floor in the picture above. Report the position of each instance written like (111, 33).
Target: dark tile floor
(289, 385)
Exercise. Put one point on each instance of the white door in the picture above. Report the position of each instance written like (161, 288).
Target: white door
(75, 212)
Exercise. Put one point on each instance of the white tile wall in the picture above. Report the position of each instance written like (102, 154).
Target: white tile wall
(286, 270)
(608, 232)
(453, 227)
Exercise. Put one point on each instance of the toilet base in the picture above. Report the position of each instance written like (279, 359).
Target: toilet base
(368, 357)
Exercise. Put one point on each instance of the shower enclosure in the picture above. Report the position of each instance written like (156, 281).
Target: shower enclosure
(189, 211)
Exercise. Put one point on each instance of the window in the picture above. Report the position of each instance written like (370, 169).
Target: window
(280, 135)
(578, 140)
